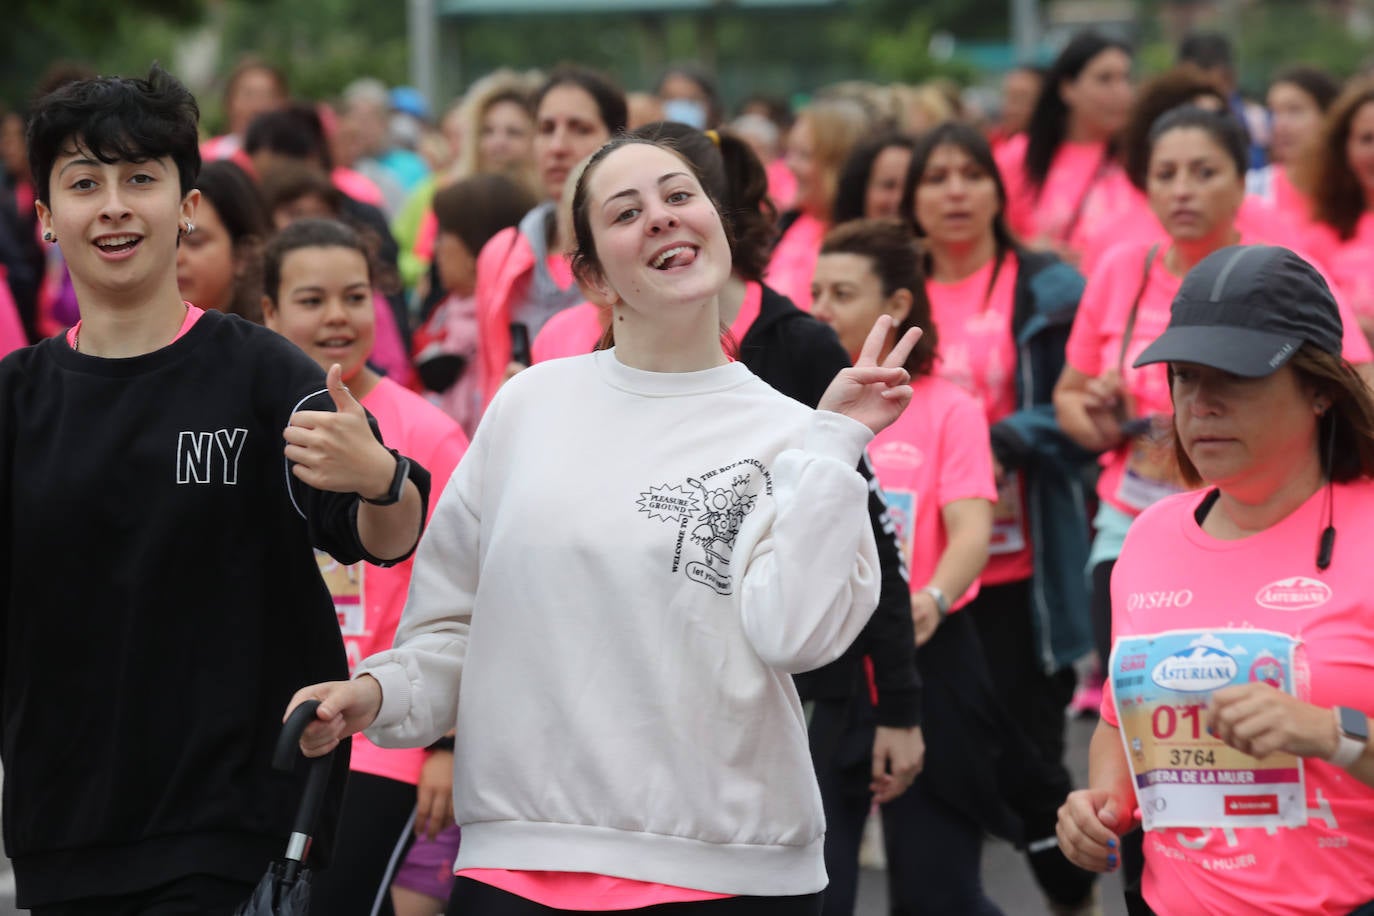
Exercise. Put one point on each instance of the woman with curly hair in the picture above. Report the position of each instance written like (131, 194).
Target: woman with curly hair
(1340, 172)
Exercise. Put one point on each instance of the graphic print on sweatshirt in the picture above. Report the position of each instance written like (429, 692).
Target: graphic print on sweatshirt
(709, 509)
(201, 453)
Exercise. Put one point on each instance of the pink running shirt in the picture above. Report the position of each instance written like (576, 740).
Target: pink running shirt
(425, 434)
(1257, 220)
(1082, 197)
(794, 260)
(572, 332)
(1349, 262)
(572, 890)
(193, 313)
(936, 452)
(978, 354)
(1171, 576)
(1095, 345)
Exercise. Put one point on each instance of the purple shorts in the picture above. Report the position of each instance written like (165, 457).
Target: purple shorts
(428, 866)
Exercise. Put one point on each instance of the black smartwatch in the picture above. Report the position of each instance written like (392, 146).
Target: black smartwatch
(398, 482)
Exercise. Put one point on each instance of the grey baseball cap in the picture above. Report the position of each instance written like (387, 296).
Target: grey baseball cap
(1246, 309)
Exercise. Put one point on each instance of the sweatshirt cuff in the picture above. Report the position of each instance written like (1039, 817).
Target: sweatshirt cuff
(834, 435)
(899, 708)
(391, 677)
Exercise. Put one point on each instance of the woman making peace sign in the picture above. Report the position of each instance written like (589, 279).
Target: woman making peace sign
(623, 620)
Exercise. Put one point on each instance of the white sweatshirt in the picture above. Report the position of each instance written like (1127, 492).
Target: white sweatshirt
(621, 575)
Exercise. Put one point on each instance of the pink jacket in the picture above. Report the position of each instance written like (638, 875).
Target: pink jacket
(503, 275)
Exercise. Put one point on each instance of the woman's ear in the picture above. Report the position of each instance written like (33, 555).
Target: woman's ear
(188, 206)
(44, 218)
(593, 284)
(898, 305)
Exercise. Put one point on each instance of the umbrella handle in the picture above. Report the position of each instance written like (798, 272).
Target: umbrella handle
(284, 759)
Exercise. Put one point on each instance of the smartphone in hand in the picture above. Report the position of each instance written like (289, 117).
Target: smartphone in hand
(520, 343)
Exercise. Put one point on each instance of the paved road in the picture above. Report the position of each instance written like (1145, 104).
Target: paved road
(1005, 873)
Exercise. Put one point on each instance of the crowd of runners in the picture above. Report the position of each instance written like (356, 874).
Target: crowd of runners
(653, 492)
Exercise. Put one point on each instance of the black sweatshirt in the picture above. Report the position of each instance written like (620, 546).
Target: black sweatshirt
(799, 356)
(163, 604)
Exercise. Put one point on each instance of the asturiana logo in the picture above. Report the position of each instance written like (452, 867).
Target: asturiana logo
(1294, 594)
(1195, 670)
(902, 455)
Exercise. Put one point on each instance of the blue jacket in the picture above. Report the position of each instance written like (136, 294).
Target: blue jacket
(1053, 467)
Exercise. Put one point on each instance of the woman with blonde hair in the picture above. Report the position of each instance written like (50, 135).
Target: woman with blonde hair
(821, 139)
(495, 135)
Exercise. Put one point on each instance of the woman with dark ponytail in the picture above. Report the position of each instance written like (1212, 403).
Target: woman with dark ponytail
(1064, 179)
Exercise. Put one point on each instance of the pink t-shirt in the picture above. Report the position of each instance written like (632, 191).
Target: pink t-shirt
(1350, 262)
(748, 312)
(193, 313)
(572, 332)
(936, 452)
(369, 599)
(12, 335)
(388, 347)
(1081, 180)
(571, 890)
(222, 147)
(1287, 198)
(977, 353)
(793, 264)
(1256, 220)
(1095, 346)
(357, 186)
(782, 184)
(1324, 867)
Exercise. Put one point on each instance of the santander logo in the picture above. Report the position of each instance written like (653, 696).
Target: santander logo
(1297, 593)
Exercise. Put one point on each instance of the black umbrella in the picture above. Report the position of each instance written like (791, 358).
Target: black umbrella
(285, 889)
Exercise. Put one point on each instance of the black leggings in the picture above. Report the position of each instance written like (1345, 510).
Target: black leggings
(934, 858)
(473, 898)
(193, 895)
(374, 831)
(1036, 702)
(934, 852)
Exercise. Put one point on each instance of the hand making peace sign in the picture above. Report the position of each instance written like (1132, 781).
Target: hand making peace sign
(872, 394)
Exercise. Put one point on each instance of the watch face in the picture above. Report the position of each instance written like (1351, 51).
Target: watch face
(1354, 724)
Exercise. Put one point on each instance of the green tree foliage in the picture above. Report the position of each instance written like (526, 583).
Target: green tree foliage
(323, 44)
(38, 33)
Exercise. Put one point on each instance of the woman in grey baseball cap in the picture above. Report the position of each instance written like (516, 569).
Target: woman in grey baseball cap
(1277, 431)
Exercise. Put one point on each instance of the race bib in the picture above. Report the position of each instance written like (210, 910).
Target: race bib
(345, 584)
(1151, 466)
(1008, 517)
(901, 511)
(1183, 776)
